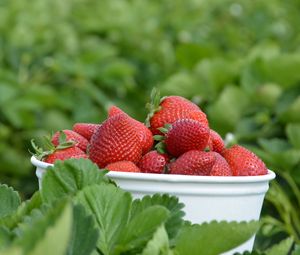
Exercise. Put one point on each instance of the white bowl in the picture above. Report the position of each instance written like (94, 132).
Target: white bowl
(206, 198)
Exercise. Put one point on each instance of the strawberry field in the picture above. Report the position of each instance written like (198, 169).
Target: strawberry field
(63, 62)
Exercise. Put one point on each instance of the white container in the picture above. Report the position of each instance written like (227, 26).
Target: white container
(206, 198)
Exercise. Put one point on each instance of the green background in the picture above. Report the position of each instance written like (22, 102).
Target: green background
(67, 61)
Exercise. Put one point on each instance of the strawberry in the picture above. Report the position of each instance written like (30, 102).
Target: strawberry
(144, 133)
(193, 162)
(85, 129)
(70, 135)
(244, 162)
(116, 140)
(215, 142)
(63, 154)
(64, 150)
(153, 162)
(171, 109)
(220, 167)
(185, 135)
(114, 110)
(123, 166)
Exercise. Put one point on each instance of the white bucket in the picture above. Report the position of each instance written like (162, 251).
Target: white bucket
(206, 198)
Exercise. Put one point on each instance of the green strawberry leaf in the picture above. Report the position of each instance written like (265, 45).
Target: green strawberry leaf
(12, 251)
(45, 231)
(110, 207)
(23, 210)
(282, 248)
(255, 252)
(293, 134)
(296, 250)
(56, 237)
(175, 220)
(66, 178)
(5, 237)
(159, 244)
(10, 200)
(141, 228)
(34, 227)
(218, 236)
(84, 235)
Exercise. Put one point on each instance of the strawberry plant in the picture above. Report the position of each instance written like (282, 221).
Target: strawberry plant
(80, 211)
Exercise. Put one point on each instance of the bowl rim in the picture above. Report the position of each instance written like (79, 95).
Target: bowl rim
(176, 177)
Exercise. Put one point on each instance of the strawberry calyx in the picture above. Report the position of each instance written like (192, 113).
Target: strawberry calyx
(49, 148)
(161, 146)
(154, 105)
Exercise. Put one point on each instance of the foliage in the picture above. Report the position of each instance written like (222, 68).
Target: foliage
(99, 218)
(239, 60)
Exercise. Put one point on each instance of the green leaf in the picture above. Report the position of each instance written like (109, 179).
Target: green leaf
(282, 248)
(189, 54)
(293, 134)
(141, 228)
(159, 244)
(69, 177)
(218, 236)
(13, 220)
(296, 251)
(35, 226)
(274, 145)
(56, 237)
(12, 251)
(255, 252)
(175, 220)
(5, 237)
(84, 235)
(44, 231)
(110, 207)
(10, 200)
(233, 101)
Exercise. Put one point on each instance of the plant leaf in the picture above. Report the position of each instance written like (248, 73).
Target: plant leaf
(110, 207)
(282, 248)
(68, 177)
(159, 244)
(10, 200)
(22, 212)
(141, 228)
(175, 220)
(293, 134)
(84, 235)
(35, 226)
(218, 236)
(56, 237)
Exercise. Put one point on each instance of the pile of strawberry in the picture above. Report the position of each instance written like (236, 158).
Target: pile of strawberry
(176, 140)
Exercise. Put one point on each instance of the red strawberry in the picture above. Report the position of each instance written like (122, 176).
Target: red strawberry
(86, 129)
(153, 162)
(173, 108)
(244, 162)
(186, 135)
(220, 167)
(114, 110)
(123, 166)
(70, 135)
(215, 142)
(144, 133)
(63, 154)
(193, 163)
(116, 140)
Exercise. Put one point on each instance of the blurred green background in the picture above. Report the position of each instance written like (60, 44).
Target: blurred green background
(63, 62)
